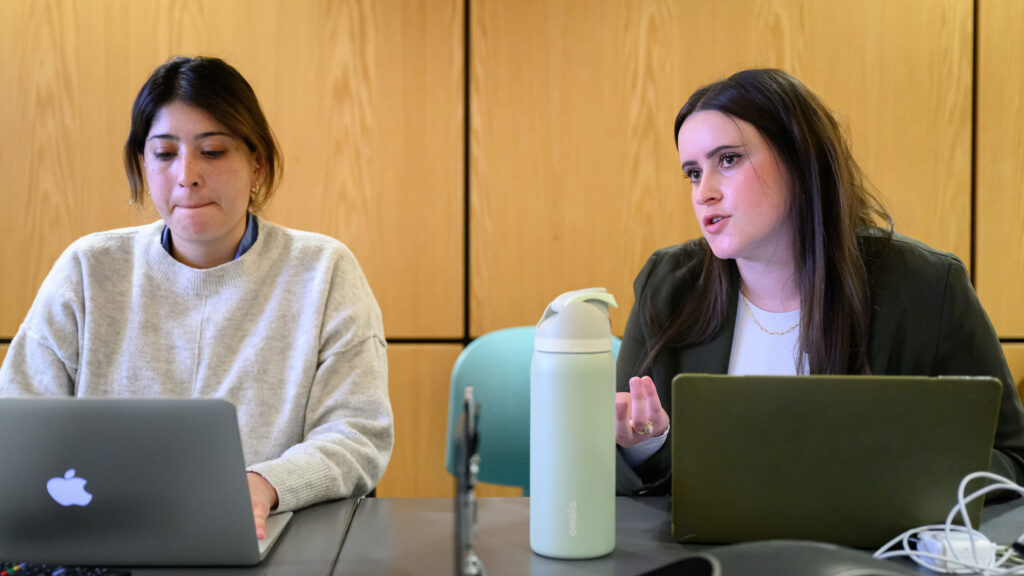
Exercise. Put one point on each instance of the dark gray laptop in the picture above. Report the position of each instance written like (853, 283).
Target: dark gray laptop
(851, 460)
(125, 482)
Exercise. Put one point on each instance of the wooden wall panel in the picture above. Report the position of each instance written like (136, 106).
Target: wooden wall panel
(999, 164)
(3, 352)
(1015, 358)
(365, 97)
(574, 175)
(64, 122)
(418, 380)
(419, 377)
(384, 93)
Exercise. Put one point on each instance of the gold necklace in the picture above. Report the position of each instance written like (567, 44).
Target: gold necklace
(758, 324)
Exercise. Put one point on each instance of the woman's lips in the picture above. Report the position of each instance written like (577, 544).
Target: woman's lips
(714, 223)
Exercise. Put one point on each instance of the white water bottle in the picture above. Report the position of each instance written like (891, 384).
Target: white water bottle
(572, 428)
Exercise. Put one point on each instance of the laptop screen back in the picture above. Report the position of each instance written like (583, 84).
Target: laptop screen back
(123, 482)
(852, 460)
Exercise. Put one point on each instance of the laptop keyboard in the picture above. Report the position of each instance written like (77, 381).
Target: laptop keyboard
(25, 569)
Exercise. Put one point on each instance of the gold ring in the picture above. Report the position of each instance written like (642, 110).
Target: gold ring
(644, 430)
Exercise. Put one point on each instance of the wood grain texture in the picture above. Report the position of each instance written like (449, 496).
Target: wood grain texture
(485, 490)
(366, 98)
(383, 93)
(418, 380)
(999, 164)
(64, 123)
(1015, 358)
(574, 175)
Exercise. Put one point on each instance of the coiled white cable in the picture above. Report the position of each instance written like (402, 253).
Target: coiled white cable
(953, 562)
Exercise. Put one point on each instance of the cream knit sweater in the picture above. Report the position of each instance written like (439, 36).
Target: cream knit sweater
(290, 333)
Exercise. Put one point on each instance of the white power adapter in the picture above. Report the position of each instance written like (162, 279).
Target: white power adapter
(954, 546)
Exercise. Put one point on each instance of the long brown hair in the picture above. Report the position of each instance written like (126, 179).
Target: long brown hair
(831, 201)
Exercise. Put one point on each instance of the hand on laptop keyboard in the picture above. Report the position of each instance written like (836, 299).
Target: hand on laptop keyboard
(26, 569)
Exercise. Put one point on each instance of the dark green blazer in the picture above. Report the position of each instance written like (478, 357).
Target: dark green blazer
(926, 320)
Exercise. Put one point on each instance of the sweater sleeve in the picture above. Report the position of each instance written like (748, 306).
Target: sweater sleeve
(43, 357)
(968, 346)
(348, 430)
(646, 475)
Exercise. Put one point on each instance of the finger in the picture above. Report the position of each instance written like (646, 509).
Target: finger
(654, 407)
(656, 412)
(260, 517)
(623, 430)
(622, 402)
(639, 401)
(263, 498)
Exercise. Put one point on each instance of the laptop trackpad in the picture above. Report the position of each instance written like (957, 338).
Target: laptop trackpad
(275, 526)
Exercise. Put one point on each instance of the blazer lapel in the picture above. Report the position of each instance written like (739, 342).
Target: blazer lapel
(712, 357)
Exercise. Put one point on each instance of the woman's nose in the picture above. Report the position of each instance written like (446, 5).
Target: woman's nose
(189, 176)
(707, 191)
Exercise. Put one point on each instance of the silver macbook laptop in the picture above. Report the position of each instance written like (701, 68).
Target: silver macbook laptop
(852, 460)
(126, 482)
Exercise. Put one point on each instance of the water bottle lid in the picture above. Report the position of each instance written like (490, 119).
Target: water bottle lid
(576, 322)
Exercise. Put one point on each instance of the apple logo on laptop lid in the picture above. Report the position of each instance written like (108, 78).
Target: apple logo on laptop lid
(69, 490)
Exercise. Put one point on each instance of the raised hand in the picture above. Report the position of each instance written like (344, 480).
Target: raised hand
(638, 413)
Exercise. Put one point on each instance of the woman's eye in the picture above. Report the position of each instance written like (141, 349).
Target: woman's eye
(163, 155)
(730, 159)
(213, 153)
(693, 174)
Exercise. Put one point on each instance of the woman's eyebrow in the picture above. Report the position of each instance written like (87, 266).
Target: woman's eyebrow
(198, 136)
(711, 154)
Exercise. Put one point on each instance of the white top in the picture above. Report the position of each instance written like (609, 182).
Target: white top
(289, 333)
(754, 351)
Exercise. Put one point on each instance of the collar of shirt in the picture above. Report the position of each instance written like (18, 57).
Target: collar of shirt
(248, 238)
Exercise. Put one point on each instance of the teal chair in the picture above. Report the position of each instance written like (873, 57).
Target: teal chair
(497, 366)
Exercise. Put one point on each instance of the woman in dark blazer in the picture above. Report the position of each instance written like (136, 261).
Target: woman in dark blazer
(792, 275)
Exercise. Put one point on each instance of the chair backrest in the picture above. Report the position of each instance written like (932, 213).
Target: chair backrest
(497, 366)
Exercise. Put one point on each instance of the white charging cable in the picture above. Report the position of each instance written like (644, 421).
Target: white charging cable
(953, 549)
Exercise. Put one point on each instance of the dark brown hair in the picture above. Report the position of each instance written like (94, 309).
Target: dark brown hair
(831, 201)
(214, 86)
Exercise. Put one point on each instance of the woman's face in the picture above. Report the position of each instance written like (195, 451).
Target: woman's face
(740, 189)
(199, 176)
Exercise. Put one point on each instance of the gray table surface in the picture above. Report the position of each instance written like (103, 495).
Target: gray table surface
(309, 545)
(392, 536)
(406, 536)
